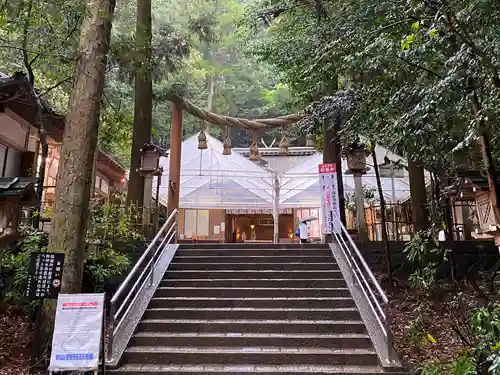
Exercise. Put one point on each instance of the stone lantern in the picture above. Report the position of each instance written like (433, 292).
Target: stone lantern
(356, 159)
(150, 166)
(356, 164)
(150, 159)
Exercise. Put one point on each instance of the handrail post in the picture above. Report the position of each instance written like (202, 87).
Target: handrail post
(111, 328)
(390, 341)
(176, 230)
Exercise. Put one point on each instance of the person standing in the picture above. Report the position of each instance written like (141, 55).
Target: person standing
(303, 235)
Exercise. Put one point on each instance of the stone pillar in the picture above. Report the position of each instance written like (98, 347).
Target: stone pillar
(360, 206)
(174, 172)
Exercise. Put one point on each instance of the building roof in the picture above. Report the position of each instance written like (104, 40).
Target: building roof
(19, 186)
(26, 108)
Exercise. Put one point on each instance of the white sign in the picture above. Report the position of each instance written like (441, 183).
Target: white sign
(216, 229)
(222, 226)
(329, 195)
(77, 332)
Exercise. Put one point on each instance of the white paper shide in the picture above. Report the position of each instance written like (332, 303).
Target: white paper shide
(77, 332)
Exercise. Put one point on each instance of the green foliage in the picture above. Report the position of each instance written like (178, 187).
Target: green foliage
(431, 368)
(415, 65)
(370, 196)
(14, 264)
(102, 262)
(427, 256)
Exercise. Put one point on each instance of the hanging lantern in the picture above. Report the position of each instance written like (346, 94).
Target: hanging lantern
(227, 146)
(202, 140)
(254, 150)
(284, 144)
(311, 140)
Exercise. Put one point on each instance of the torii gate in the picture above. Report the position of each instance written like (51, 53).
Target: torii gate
(179, 105)
(331, 144)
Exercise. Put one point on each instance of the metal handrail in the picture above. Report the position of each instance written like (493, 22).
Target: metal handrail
(377, 299)
(115, 316)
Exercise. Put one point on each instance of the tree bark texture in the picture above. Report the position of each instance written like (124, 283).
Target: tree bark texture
(143, 110)
(74, 177)
(69, 220)
(418, 194)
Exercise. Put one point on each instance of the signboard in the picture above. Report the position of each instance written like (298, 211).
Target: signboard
(329, 195)
(77, 332)
(44, 275)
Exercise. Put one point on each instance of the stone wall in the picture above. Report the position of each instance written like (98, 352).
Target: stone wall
(470, 258)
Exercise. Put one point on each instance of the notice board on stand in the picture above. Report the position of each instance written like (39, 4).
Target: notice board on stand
(77, 333)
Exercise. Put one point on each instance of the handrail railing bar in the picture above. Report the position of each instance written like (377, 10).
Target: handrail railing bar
(130, 305)
(162, 246)
(141, 259)
(130, 293)
(363, 262)
(374, 303)
(363, 283)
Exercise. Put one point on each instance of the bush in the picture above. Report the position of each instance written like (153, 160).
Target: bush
(103, 263)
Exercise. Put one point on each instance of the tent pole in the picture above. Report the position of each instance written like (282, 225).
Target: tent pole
(276, 209)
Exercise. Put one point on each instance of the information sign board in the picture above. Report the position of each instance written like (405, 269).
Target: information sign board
(44, 275)
(77, 332)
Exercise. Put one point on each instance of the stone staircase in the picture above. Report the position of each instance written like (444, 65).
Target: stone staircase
(253, 309)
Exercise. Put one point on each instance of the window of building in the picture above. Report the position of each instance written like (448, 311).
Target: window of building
(196, 223)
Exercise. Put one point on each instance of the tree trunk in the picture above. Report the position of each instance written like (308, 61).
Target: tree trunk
(418, 194)
(385, 237)
(143, 110)
(69, 219)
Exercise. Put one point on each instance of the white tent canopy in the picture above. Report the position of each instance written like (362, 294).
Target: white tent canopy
(211, 180)
(300, 184)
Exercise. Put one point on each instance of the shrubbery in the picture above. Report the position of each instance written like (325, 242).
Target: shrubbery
(103, 263)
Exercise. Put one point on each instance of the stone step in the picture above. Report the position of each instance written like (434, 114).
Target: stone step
(248, 356)
(253, 266)
(252, 326)
(252, 313)
(253, 252)
(249, 339)
(277, 302)
(230, 258)
(261, 282)
(252, 274)
(246, 246)
(245, 369)
(251, 292)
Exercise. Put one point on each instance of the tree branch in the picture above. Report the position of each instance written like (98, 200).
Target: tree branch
(457, 28)
(67, 79)
(27, 65)
(421, 67)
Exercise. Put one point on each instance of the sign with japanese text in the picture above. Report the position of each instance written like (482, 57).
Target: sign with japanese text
(44, 275)
(77, 332)
(329, 195)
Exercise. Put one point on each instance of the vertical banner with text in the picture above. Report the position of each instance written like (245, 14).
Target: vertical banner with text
(329, 195)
